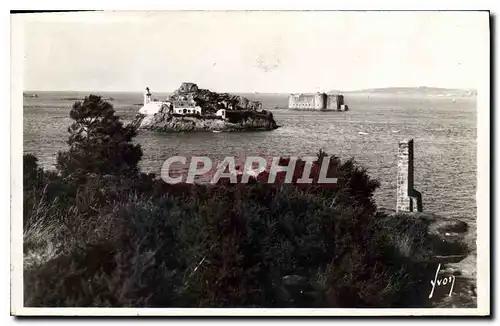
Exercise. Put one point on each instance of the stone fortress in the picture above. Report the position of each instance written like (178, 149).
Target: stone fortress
(317, 102)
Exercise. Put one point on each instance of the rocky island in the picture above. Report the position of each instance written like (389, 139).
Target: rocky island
(190, 108)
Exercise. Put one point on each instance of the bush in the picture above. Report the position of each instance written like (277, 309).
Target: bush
(225, 247)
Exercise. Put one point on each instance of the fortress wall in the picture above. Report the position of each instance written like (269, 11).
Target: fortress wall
(320, 103)
(341, 99)
(332, 103)
(335, 101)
(307, 101)
(301, 101)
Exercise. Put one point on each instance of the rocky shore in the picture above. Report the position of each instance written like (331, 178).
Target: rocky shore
(170, 123)
(450, 249)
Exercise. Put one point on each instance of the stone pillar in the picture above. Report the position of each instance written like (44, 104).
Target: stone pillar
(408, 199)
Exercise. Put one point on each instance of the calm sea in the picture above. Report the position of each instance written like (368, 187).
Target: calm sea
(444, 131)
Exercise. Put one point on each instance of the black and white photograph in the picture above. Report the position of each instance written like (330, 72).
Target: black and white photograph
(248, 162)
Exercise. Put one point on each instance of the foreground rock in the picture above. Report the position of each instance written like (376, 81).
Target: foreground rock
(446, 238)
(437, 242)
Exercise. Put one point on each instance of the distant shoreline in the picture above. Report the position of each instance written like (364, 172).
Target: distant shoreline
(410, 91)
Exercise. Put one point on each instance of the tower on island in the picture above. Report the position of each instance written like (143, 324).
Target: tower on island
(147, 96)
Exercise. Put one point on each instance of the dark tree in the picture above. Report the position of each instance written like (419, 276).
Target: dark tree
(99, 143)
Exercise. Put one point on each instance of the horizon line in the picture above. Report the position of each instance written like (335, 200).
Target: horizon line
(259, 92)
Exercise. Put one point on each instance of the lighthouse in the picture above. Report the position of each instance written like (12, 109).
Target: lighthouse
(147, 96)
(151, 107)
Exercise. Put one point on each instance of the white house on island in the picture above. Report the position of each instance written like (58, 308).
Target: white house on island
(186, 107)
(221, 113)
(151, 107)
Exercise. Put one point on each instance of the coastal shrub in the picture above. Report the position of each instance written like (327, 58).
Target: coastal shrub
(41, 189)
(247, 246)
(100, 233)
(354, 187)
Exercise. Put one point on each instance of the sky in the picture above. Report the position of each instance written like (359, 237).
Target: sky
(287, 51)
